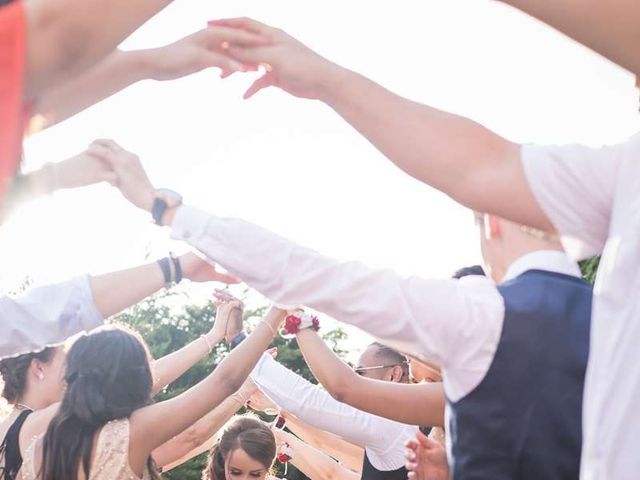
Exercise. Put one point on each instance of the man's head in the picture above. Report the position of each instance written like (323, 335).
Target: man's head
(383, 363)
(502, 242)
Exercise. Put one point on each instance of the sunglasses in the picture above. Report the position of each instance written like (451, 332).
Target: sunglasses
(362, 370)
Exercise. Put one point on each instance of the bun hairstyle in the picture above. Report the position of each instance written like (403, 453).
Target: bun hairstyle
(108, 377)
(14, 372)
(248, 433)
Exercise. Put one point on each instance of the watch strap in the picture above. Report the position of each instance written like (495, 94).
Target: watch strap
(177, 267)
(158, 209)
(166, 270)
(237, 340)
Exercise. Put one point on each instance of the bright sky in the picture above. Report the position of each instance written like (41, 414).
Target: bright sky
(293, 165)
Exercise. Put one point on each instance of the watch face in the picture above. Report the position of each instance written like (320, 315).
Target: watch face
(171, 197)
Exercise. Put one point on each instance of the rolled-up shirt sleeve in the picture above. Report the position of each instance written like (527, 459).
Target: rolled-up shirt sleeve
(46, 315)
(382, 438)
(576, 187)
(421, 316)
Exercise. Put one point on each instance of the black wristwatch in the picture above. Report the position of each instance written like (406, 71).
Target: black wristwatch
(237, 340)
(164, 198)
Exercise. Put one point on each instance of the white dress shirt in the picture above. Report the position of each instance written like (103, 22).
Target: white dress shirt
(452, 323)
(592, 196)
(383, 439)
(46, 315)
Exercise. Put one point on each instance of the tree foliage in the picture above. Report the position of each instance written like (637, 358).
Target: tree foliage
(590, 268)
(167, 328)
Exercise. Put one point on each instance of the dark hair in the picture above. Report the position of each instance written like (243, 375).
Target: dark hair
(392, 357)
(248, 433)
(14, 372)
(108, 378)
(466, 271)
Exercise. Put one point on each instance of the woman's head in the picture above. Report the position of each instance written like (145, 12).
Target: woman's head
(245, 451)
(108, 377)
(36, 376)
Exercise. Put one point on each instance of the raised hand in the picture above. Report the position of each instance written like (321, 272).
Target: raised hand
(288, 64)
(80, 170)
(198, 269)
(426, 459)
(231, 309)
(203, 49)
(132, 180)
(261, 403)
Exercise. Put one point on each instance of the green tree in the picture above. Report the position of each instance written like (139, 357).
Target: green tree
(590, 268)
(167, 327)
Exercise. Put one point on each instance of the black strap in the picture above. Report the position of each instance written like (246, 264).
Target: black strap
(177, 267)
(10, 448)
(157, 210)
(165, 266)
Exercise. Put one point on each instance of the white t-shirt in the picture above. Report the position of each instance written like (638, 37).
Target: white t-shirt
(592, 196)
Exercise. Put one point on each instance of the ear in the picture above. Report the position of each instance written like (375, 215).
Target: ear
(492, 227)
(36, 369)
(396, 373)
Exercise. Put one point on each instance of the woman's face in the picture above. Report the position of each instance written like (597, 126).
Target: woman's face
(53, 384)
(243, 467)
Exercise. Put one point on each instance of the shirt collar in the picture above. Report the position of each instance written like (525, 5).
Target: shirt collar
(547, 260)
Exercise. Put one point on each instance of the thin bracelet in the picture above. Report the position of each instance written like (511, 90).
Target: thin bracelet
(206, 340)
(270, 327)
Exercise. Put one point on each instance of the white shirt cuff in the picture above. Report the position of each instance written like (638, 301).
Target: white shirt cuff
(90, 318)
(189, 223)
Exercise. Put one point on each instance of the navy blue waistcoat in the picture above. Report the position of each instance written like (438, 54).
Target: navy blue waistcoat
(524, 420)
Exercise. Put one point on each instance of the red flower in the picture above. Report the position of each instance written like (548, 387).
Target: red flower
(283, 458)
(292, 324)
(316, 323)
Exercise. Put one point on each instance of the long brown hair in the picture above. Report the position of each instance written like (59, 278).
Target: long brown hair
(248, 433)
(108, 377)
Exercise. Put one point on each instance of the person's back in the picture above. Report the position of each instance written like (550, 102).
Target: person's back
(105, 428)
(110, 456)
(523, 421)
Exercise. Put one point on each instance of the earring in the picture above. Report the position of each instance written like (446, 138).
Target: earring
(40, 376)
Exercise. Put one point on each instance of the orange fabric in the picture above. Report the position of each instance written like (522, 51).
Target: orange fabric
(12, 65)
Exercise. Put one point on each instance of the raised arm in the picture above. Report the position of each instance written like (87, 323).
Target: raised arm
(50, 314)
(454, 154)
(313, 463)
(170, 367)
(154, 425)
(421, 404)
(189, 55)
(69, 36)
(346, 453)
(610, 28)
(200, 436)
(429, 315)
(318, 409)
